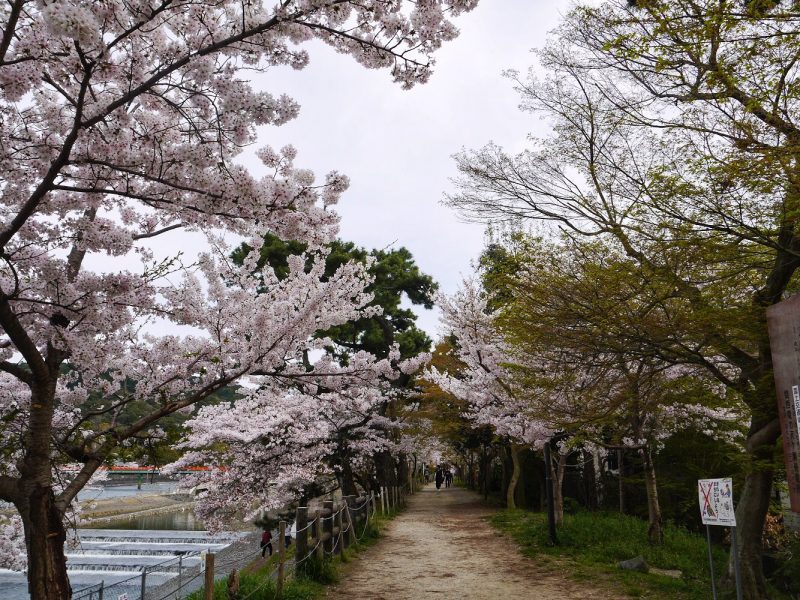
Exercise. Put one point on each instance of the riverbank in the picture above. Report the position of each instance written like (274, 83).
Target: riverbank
(97, 512)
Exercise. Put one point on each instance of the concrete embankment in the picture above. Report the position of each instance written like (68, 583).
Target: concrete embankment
(97, 511)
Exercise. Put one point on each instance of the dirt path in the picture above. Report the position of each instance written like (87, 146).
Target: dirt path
(442, 547)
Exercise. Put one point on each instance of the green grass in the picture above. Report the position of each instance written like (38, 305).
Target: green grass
(595, 542)
(310, 585)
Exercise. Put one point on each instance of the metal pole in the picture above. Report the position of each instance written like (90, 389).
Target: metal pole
(737, 572)
(711, 563)
(102, 585)
(551, 510)
(144, 582)
(180, 570)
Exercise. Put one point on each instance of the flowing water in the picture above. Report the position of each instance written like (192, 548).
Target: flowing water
(125, 548)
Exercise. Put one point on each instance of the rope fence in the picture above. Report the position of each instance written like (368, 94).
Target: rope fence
(328, 532)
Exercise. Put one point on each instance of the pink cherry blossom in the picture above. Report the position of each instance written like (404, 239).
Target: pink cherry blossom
(121, 123)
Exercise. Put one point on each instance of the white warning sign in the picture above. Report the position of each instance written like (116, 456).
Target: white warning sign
(716, 502)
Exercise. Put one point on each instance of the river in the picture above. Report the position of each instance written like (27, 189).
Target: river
(123, 548)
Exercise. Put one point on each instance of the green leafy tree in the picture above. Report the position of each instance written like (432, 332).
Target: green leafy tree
(396, 276)
(676, 136)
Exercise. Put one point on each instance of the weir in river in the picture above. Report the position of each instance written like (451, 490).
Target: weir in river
(112, 556)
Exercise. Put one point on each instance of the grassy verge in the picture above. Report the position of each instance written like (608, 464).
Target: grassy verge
(310, 585)
(595, 542)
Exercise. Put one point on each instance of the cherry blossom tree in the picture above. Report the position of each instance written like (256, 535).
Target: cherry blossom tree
(272, 446)
(486, 384)
(530, 376)
(120, 123)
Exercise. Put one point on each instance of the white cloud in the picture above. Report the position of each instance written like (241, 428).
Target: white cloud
(396, 146)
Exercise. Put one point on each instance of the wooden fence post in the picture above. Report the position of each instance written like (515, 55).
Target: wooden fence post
(347, 521)
(318, 534)
(282, 556)
(301, 535)
(209, 579)
(383, 500)
(339, 526)
(327, 506)
(352, 517)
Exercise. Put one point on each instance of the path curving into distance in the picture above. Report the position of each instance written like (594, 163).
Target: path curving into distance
(442, 547)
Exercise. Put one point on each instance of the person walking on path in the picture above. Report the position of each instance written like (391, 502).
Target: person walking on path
(266, 542)
(448, 478)
(439, 479)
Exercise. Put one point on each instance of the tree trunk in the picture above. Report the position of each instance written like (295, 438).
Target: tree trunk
(485, 473)
(385, 467)
(348, 481)
(592, 490)
(558, 486)
(44, 539)
(655, 529)
(750, 515)
(751, 512)
(512, 484)
(620, 467)
(403, 473)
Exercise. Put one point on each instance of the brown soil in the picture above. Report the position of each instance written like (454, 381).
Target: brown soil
(442, 547)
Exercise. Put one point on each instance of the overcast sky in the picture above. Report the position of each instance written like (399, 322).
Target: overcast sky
(396, 145)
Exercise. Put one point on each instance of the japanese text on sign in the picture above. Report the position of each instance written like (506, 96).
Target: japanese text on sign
(716, 502)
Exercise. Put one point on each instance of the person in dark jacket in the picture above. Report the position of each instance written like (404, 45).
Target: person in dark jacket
(439, 479)
(266, 542)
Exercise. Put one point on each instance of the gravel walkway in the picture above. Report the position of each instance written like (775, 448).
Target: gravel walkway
(442, 547)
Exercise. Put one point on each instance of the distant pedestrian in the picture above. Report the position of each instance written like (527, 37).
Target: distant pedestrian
(439, 479)
(289, 533)
(266, 542)
(448, 478)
